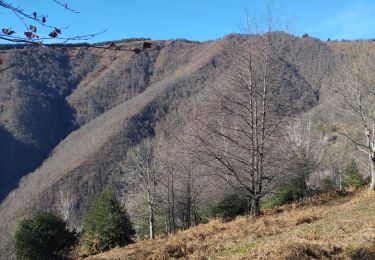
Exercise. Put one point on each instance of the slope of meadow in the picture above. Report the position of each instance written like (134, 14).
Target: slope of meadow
(336, 225)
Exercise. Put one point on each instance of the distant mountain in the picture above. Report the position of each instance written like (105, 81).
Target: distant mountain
(67, 117)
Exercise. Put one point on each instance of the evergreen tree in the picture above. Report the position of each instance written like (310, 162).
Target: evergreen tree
(230, 206)
(295, 188)
(106, 224)
(305, 35)
(327, 184)
(44, 236)
(353, 178)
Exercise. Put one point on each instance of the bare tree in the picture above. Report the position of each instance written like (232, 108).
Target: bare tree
(307, 150)
(184, 182)
(240, 134)
(355, 84)
(193, 185)
(140, 171)
(301, 140)
(168, 177)
(66, 201)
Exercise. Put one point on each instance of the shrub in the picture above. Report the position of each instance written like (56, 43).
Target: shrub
(230, 206)
(294, 190)
(281, 196)
(106, 224)
(353, 178)
(44, 236)
(327, 184)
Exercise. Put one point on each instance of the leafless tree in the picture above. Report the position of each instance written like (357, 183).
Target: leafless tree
(301, 140)
(168, 177)
(193, 185)
(184, 183)
(355, 84)
(307, 149)
(140, 171)
(66, 201)
(240, 134)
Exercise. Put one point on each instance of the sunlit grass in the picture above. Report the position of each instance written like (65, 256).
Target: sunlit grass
(329, 227)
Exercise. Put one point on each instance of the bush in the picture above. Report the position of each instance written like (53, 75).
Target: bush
(327, 184)
(231, 206)
(44, 236)
(281, 196)
(106, 224)
(352, 177)
(294, 190)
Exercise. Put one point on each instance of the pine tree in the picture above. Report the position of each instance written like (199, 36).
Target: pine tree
(44, 236)
(106, 224)
(353, 178)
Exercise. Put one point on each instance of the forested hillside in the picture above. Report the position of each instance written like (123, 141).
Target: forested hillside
(69, 116)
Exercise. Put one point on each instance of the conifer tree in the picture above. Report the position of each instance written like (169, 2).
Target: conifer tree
(106, 224)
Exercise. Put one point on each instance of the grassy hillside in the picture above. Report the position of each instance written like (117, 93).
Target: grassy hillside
(333, 226)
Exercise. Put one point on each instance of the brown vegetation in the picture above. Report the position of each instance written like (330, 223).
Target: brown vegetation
(333, 226)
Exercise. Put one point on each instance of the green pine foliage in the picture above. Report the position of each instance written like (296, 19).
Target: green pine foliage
(353, 178)
(106, 224)
(44, 236)
(296, 188)
(281, 196)
(231, 206)
(327, 184)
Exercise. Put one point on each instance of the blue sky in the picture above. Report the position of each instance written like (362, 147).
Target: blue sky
(200, 19)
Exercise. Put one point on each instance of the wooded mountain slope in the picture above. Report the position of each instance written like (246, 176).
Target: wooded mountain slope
(67, 117)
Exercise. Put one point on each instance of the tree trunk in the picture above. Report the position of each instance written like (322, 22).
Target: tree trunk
(188, 213)
(372, 172)
(173, 205)
(167, 226)
(173, 222)
(255, 207)
(248, 206)
(151, 221)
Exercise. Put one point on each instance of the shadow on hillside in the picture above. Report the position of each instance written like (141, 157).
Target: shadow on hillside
(16, 160)
(366, 253)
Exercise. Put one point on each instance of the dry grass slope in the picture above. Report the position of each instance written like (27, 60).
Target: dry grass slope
(333, 226)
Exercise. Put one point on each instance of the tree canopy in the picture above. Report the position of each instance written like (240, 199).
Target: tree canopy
(44, 236)
(106, 224)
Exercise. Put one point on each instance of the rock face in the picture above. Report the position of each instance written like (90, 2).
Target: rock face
(67, 117)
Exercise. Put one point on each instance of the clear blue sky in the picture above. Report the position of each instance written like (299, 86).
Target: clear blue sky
(200, 19)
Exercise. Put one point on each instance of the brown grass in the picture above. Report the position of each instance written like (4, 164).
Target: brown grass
(332, 226)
